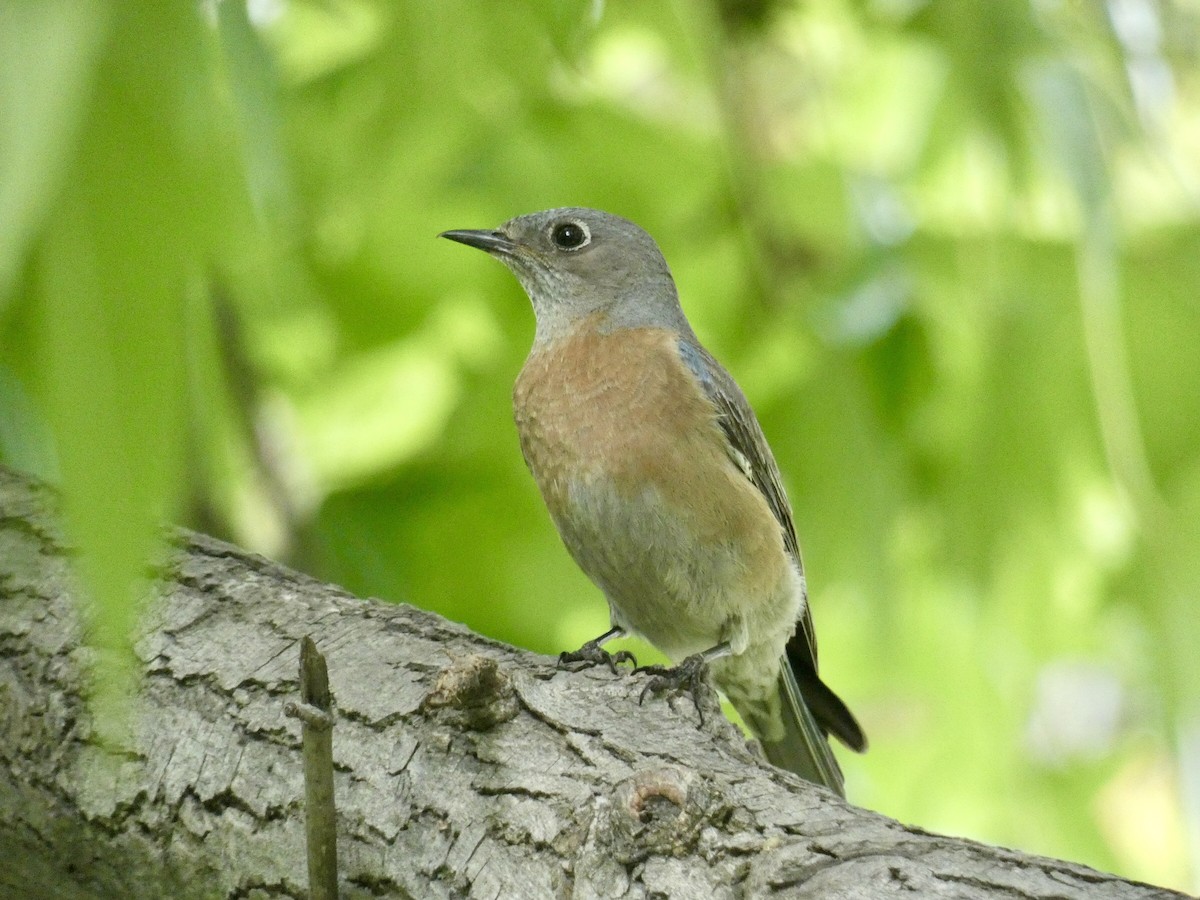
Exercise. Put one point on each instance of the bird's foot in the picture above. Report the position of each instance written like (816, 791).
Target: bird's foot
(687, 677)
(592, 654)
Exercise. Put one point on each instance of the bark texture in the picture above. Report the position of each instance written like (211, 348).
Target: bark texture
(465, 768)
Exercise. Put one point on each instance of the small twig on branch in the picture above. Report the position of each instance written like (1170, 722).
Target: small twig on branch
(315, 713)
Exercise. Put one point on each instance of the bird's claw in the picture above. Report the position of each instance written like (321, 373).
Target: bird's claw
(687, 677)
(592, 654)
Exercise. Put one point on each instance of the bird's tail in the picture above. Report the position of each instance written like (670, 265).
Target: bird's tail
(803, 747)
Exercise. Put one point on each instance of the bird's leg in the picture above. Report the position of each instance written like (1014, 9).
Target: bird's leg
(687, 677)
(592, 654)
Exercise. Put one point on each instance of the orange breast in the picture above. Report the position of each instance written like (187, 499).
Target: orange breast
(636, 472)
(615, 402)
(623, 407)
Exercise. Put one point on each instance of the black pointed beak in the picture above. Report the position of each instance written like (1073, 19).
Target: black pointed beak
(489, 241)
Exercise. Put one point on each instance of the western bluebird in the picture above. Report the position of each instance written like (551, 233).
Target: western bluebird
(660, 482)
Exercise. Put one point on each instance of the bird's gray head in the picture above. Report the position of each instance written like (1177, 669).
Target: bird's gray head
(575, 262)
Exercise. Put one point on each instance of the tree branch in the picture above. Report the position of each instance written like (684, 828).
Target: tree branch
(464, 767)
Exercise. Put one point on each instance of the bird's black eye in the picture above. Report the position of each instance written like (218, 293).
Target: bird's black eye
(570, 235)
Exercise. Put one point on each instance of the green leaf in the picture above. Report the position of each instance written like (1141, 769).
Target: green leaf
(132, 227)
(47, 53)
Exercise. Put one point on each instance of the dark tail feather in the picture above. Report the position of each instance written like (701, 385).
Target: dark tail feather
(831, 713)
(827, 707)
(804, 749)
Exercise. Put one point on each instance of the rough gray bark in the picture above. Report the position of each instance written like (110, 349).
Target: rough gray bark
(465, 768)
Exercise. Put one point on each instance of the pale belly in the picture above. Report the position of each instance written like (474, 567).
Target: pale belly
(661, 582)
(674, 581)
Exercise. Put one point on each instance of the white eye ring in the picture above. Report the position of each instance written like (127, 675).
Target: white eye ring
(570, 234)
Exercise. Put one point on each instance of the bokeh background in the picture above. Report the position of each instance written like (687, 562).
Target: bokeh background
(951, 250)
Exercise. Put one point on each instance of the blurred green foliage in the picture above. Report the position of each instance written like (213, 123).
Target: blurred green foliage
(950, 250)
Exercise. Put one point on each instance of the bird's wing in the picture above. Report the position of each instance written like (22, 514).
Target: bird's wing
(747, 444)
(748, 448)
